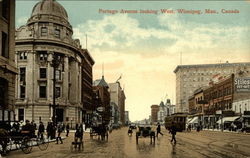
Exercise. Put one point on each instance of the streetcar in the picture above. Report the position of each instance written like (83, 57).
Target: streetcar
(179, 120)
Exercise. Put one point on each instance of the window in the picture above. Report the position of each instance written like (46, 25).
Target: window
(3, 92)
(20, 114)
(58, 75)
(5, 9)
(58, 92)
(43, 73)
(44, 31)
(5, 45)
(42, 93)
(22, 74)
(22, 55)
(22, 91)
(43, 56)
(57, 33)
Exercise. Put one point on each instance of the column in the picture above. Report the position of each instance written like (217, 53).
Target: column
(50, 78)
(65, 87)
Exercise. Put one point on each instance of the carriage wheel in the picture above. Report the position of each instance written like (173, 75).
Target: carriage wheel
(42, 144)
(26, 145)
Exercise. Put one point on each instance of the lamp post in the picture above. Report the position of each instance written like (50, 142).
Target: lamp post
(55, 64)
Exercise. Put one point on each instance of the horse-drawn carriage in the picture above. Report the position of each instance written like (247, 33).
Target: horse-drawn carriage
(100, 131)
(145, 131)
(23, 139)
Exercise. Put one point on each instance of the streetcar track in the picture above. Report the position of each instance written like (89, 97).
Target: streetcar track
(242, 153)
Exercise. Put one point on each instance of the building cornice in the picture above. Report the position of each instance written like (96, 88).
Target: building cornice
(48, 42)
(210, 65)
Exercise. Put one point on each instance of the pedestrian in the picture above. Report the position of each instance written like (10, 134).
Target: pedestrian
(48, 129)
(67, 130)
(173, 131)
(40, 130)
(198, 128)
(28, 128)
(189, 128)
(158, 129)
(59, 131)
(79, 133)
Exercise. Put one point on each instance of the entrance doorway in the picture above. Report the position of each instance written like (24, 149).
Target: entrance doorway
(59, 115)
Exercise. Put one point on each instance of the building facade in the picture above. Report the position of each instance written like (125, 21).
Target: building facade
(102, 95)
(87, 89)
(154, 111)
(191, 77)
(117, 96)
(50, 64)
(115, 115)
(8, 70)
(219, 101)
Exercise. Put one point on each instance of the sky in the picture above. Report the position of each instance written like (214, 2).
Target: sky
(146, 47)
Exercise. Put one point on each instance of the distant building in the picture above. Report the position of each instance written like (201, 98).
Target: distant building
(102, 95)
(117, 96)
(170, 107)
(8, 70)
(154, 111)
(127, 118)
(191, 77)
(162, 112)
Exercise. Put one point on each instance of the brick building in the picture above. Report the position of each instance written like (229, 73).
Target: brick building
(154, 111)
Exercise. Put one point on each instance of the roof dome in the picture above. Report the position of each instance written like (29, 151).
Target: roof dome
(49, 7)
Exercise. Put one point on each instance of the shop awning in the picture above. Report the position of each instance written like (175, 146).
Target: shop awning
(194, 120)
(227, 119)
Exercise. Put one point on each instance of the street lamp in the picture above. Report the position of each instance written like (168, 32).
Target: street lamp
(55, 64)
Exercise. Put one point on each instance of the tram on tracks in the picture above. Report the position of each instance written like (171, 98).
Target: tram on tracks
(179, 120)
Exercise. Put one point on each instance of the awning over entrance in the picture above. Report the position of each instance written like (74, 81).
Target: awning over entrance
(227, 119)
(194, 120)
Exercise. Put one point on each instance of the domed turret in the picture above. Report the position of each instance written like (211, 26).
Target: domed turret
(49, 9)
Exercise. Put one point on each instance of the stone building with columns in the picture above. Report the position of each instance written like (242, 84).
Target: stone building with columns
(47, 35)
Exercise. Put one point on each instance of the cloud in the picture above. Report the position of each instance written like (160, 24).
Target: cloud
(147, 56)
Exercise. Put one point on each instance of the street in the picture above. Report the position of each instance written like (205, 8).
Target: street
(204, 144)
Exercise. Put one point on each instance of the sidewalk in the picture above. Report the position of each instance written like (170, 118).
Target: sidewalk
(227, 131)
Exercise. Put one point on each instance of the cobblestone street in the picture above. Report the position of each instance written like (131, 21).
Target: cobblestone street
(207, 144)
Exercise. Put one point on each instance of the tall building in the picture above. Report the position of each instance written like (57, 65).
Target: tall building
(191, 77)
(50, 64)
(87, 89)
(154, 111)
(8, 70)
(117, 96)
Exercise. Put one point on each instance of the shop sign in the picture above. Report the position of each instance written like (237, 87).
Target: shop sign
(242, 84)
